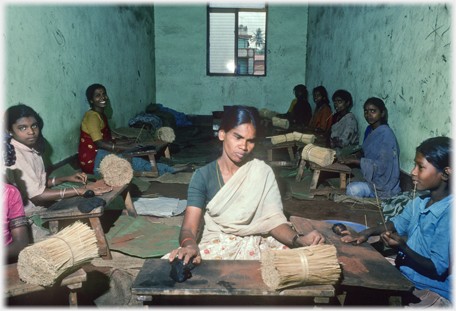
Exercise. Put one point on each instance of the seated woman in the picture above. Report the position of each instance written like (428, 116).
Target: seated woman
(344, 128)
(15, 230)
(425, 258)
(379, 160)
(28, 174)
(244, 213)
(322, 115)
(96, 141)
(300, 111)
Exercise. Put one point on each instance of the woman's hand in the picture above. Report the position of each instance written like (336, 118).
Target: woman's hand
(186, 253)
(392, 240)
(102, 190)
(312, 238)
(346, 160)
(78, 178)
(352, 237)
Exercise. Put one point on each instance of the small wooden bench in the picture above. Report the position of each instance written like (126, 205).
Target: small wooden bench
(68, 209)
(15, 287)
(159, 145)
(289, 145)
(342, 169)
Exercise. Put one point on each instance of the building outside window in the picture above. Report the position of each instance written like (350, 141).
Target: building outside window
(236, 41)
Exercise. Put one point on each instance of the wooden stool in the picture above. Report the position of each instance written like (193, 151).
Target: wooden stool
(289, 145)
(342, 169)
(68, 209)
(151, 155)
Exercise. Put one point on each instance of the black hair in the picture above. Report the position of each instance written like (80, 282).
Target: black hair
(302, 89)
(20, 110)
(91, 89)
(9, 154)
(344, 95)
(437, 151)
(237, 115)
(323, 93)
(377, 102)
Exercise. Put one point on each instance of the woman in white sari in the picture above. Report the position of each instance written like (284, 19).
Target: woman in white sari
(240, 201)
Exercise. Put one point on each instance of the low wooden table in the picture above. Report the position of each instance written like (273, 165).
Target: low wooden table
(289, 145)
(68, 209)
(217, 277)
(362, 265)
(159, 145)
(15, 287)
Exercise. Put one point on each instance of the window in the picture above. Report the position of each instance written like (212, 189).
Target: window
(236, 40)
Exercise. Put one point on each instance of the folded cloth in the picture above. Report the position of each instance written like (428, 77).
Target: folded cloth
(88, 205)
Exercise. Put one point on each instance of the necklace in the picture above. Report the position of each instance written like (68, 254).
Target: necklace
(218, 177)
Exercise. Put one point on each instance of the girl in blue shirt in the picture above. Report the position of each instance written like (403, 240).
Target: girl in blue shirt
(425, 258)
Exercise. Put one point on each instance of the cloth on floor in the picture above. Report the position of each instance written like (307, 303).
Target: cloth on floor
(178, 178)
(181, 119)
(141, 238)
(396, 204)
(119, 293)
(428, 299)
(161, 206)
(119, 261)
(147, 118)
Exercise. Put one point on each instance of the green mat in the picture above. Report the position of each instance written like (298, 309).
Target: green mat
(141, 238)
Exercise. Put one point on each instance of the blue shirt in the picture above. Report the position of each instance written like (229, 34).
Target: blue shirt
(429, 235)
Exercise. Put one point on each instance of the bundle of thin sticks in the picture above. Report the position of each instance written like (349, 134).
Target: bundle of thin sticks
(319, 155)
(278, 139)
(284, 268)
(268, 114)
(295, 136)
(44, 262)
(165, 134)
(282, 123)
(115, 170)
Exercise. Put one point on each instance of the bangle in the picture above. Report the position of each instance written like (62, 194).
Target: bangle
(186, 240)
(293, 242)
(76, 191)
(53, 181)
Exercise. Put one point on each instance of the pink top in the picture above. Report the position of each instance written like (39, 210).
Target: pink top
(12, 208)
(28, 174)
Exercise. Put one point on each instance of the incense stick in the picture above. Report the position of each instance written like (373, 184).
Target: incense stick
(136, 140)
(379, 208)
(413, 205)
(365, 219)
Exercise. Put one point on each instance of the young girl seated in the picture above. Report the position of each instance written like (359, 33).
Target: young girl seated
(300, 112)
(425, 258)
(15, 230)
(379, 159)
(322, 116)
(28, 174)
(344, 128)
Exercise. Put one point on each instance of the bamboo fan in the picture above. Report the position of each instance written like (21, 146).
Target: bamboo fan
(268, 114)
(282, 123)
(165, 134)
(284, 268)
(43, 262)
(115, 170)
(282, 138)
(319, 155)
(304, 138)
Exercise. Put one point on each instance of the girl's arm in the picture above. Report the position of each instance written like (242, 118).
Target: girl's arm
(187, 237)
(421, 264)
(285, 235)
(364, 235)
(20, 241)
(57, 194)
(76, 178)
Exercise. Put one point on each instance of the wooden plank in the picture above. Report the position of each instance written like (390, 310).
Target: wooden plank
(335, 167)
(216, 277)
(103, 248)
(131, 210)
(361, 264)
(302, 166)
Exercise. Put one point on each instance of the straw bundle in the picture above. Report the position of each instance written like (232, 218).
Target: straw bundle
(282, 123)
(43, 262)
(115, 170)
(304, 138)
(282, 138)
(268, 114)
(319, 155)
(300, 266)
(165, 134)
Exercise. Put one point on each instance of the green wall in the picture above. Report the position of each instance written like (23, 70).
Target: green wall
(180, 55)
(401, 54)
(54, 52)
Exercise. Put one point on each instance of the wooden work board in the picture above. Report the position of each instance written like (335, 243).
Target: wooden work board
(361, 264)
(215, 277)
